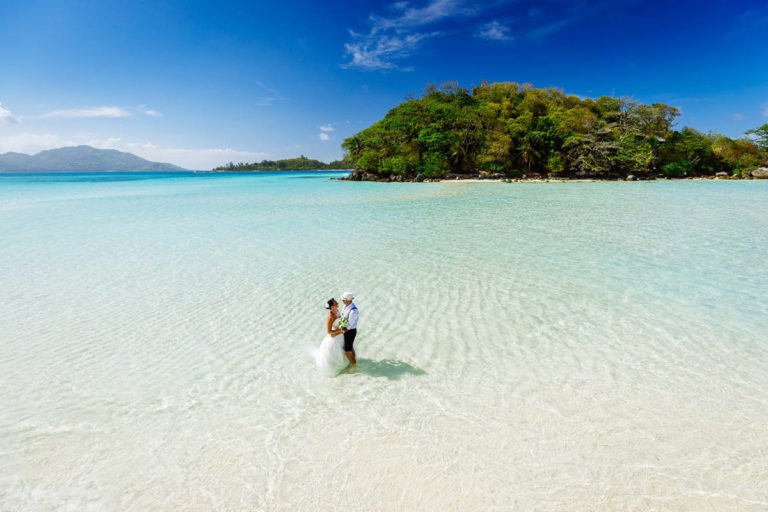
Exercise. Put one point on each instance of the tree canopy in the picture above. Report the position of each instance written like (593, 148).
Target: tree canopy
(519, 130)
(301, 163)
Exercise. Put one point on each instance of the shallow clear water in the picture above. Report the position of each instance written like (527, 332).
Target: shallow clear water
(552, 346)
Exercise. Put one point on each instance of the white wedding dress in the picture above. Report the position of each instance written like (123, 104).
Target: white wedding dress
(329, 356)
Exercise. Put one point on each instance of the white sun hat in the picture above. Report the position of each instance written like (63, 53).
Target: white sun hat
(347, 296)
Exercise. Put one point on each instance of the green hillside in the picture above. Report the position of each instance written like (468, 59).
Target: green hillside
(519, 131)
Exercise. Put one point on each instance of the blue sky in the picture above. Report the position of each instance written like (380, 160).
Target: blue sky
(202, 83)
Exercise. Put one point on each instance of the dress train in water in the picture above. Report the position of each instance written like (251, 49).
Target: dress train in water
(329, 356)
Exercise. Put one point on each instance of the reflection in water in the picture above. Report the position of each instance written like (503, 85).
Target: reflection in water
(389, 368)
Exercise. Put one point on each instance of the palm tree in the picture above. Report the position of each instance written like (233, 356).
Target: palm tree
(354, 146)
(528, 153)
(457, 154)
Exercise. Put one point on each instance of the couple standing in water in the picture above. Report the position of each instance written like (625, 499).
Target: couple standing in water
(336, 352)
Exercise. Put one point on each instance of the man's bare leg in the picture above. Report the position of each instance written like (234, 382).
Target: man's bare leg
(351, 356)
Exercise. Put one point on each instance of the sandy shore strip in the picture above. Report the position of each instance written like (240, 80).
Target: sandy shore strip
(516, 180)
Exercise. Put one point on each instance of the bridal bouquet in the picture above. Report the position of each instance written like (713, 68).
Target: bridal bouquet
(343, 323)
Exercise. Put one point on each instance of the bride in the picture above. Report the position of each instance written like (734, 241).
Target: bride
(329, 356)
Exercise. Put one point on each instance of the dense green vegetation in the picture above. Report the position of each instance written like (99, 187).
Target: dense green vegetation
(301, 163)
(517, 130)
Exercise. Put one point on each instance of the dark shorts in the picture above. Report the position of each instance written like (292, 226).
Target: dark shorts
(349, 339)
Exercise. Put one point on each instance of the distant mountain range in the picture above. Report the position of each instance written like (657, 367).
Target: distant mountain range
(80, 159)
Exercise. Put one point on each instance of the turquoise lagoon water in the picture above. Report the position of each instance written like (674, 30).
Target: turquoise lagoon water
(551, 346)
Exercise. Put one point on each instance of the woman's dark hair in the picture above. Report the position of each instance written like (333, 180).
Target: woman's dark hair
(331, 303)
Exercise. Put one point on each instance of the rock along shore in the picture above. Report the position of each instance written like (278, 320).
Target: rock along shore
(360, 175)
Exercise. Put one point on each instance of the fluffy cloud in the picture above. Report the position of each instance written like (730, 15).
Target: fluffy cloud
(323, 135)
(433, 11)
(87, 112)
(32, 143)
(402, 33)
(200, 159)
(765, 109)
(116, 112)
(738, 116)
(7, 117)
(376, 52)
(204, 158)
(397, 37)
(494, 31)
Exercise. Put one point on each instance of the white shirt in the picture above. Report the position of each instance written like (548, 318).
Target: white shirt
(351, 314)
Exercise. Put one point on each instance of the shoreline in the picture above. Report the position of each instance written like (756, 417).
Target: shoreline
(555, 180)
(227, 171)
(535, 177)
(353, 176)
(578, 180)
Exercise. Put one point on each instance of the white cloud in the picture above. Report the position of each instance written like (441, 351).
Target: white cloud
(765, 109)
(7, 117)
(327, 128)
(32, 143)
(433, 11)
(738, 116)
(323, 136)
(375, 53)
(204, 158)
(402, 32)
(74, 113)
(494, 31)
(86, 112)
(391, 38)
(200, 159)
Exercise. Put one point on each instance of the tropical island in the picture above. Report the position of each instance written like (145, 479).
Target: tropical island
(509, 131)
(302, 163)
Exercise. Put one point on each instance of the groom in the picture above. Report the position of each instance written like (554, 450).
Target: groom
(351, 314)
